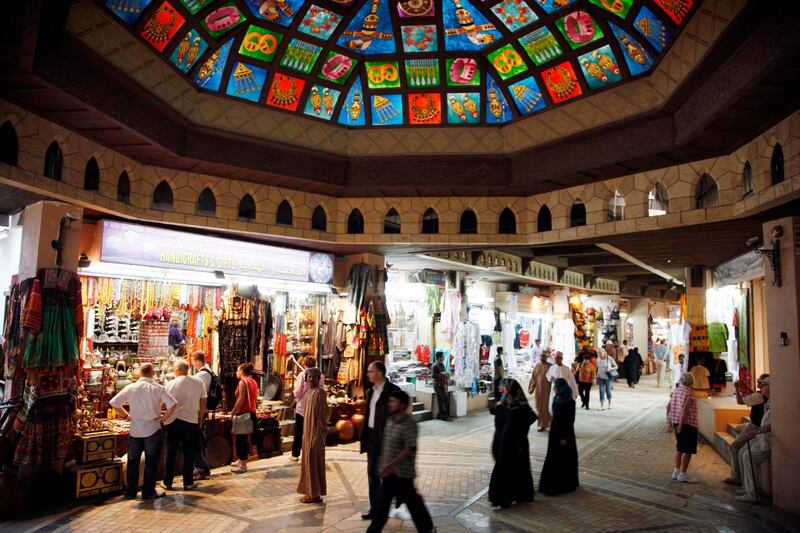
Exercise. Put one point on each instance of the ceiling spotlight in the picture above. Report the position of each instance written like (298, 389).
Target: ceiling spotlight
(669, 260)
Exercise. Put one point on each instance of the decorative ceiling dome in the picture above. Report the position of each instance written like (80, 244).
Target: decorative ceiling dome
(413, 63)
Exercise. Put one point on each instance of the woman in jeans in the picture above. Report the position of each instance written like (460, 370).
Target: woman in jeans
(605, 365)
(246, 398)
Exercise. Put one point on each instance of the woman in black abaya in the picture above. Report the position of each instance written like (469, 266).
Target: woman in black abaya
(633, 367)
(511, 479)
(560, 471)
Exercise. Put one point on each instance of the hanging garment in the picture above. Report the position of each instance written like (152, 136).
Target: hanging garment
(508, 337)
(360, 276)
(466, 353)
(512, 300)
(717, 337)
(451, 311)
(561, 301)
(432, 299)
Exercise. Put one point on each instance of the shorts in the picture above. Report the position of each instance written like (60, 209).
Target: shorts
(686, 440)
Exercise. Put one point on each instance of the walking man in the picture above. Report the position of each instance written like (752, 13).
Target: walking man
(398, 454)
(204, 373)
(372, 437)
(182, 425)
(440, 379)
(661, 362)
(561, 371)
(144, 399)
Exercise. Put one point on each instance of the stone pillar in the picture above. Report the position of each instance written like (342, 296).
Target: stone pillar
(639, 310)
(40, 228)
(783, 341)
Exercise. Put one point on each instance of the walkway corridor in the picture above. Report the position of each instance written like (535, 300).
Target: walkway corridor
(625, 465)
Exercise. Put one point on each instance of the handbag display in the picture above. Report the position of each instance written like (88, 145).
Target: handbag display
(243, 423)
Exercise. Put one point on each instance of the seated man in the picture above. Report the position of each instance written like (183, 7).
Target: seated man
(757, 449)
(757, 403)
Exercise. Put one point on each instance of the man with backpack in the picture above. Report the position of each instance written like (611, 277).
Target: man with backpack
(213, 388)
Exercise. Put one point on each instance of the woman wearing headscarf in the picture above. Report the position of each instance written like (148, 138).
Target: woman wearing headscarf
(560, 471)
(633, 367)
(312, 459)
(511, 479)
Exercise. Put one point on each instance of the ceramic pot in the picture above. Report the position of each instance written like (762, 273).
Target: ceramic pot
(346, 429)
(358, 421)
(361, 406)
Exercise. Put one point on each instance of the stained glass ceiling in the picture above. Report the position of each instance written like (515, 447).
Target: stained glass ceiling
(390, 63)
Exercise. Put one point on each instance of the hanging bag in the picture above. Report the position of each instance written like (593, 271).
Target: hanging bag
(243, 423)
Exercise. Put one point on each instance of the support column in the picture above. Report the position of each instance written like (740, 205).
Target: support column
(40, 228)
(783, 341)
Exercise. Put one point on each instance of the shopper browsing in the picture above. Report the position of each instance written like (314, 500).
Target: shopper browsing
(606, 366)
(312, 483)
(144, 399)
(183, 424)
(244, 409)
(682, 419)
(299, 404)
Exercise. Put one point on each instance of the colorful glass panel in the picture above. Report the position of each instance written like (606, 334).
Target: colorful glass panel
(192, 6)
(188, 51)
(246, 81)
(223, 19)
(321, 101)
(127, 10)
(425, 108)
(463, 71)
(300, 56)
(551, 6)
(416, 8)
(285, 91)
(352, 113)
(382, 74)
(600, 67)
(260, 43)
(507, 62)
(387, 109)
(527, 96)
(541, 46)
(209, 75)
(497, 108)
(419, 38)
(652, 29)
(515, 14)
(370, 31)
(579, 29)
(282, 13)
(162, 26)
(319, 22)
(465, 28)
(618, 7)
(561, 82)
(337, 68)
(636, 57)
(422, 73)
(676, 9)
(463, 108)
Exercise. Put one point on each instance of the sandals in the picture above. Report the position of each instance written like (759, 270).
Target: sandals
(309, 499)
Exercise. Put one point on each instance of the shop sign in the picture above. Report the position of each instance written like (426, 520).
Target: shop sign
(132, 244)
(746, 267)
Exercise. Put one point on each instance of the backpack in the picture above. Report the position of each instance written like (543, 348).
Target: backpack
(214, 391)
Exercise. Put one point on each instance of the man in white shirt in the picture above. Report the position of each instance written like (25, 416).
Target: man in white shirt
(560, 370)
(182, 425)
(372, 435)
(204, 373)
(144, 399)
(536, 351)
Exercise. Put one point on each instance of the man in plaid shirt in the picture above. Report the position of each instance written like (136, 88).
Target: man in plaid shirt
(682, 419)
(396, 468)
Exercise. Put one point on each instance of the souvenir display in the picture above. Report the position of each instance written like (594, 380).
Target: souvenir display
(569, 49)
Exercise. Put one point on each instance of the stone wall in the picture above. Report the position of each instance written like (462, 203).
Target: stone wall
(680, 182)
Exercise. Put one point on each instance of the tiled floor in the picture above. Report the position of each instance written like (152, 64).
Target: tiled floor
(625, 463)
